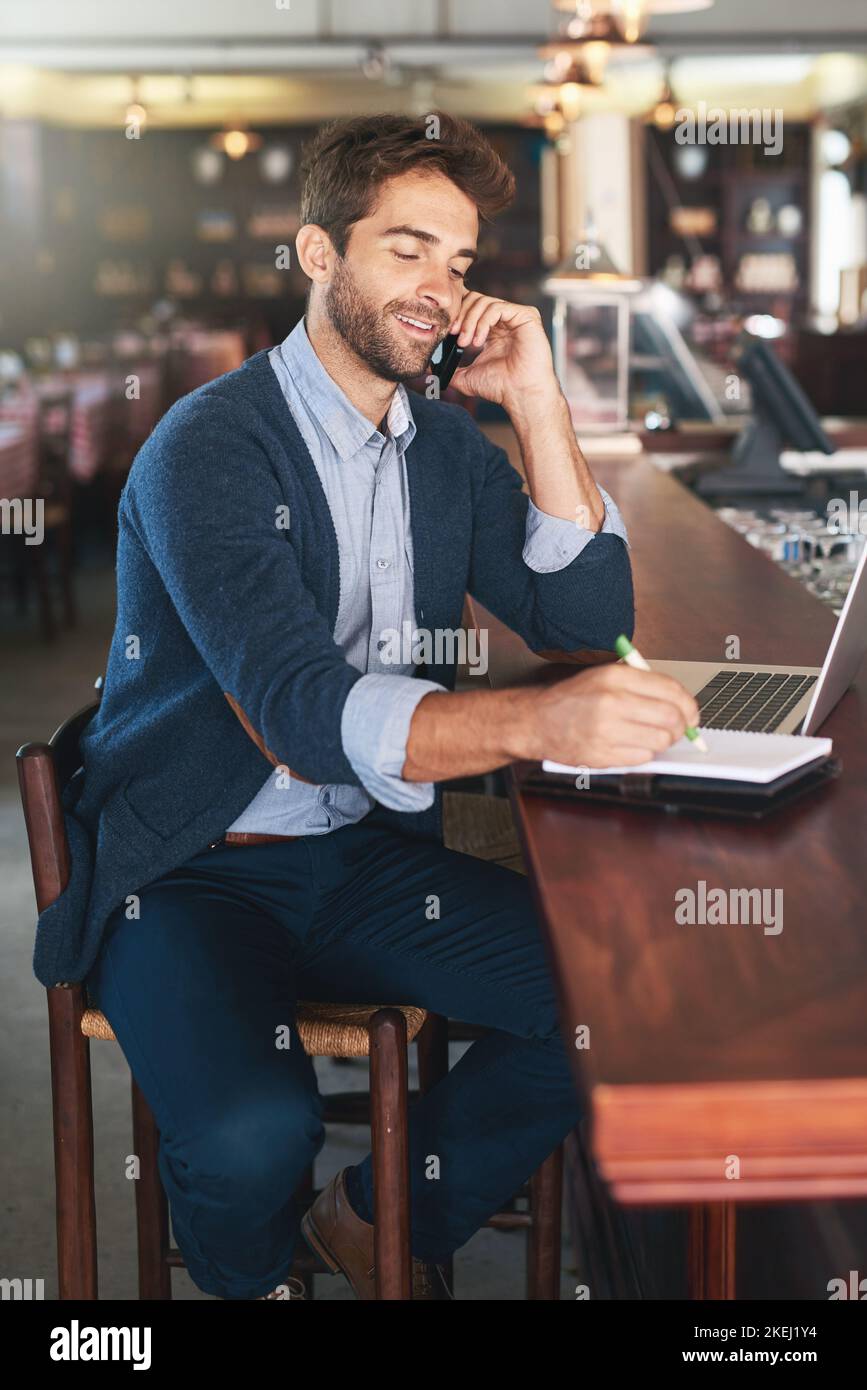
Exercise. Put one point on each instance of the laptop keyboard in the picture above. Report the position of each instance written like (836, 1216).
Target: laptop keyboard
(752, 700)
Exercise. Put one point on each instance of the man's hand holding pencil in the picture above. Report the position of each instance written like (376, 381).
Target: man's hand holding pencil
(612, 715)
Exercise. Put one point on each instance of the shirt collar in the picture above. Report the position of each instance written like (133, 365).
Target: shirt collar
(346, 427)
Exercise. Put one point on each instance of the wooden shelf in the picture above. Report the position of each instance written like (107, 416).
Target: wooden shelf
(730, 184)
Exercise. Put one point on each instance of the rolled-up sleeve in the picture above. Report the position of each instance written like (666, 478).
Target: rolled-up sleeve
(375, 728)
(553, 542)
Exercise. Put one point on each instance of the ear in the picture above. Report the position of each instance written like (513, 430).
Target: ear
(316, 253)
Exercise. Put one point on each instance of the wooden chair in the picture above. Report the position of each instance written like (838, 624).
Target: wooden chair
(382, 1032)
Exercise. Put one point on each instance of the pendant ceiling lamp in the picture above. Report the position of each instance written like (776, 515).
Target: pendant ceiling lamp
(630, 16)
(664, 110)
(236, 141)
(590, 40)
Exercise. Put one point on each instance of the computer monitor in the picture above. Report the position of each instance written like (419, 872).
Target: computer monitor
(782, 417)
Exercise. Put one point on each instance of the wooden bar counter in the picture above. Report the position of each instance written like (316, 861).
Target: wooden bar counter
(725, 1064)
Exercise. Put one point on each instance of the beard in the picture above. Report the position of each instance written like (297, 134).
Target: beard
(368, 329)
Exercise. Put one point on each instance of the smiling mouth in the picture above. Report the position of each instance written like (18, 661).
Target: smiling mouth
(419, 328)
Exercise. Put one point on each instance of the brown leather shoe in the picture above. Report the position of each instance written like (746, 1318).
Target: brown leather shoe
(345, 1242)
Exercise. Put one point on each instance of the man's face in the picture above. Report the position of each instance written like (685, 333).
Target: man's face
(407, 259)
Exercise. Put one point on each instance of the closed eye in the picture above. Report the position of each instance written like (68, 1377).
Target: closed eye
(458, 274)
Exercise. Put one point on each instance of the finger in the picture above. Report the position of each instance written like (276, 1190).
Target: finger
(489, 312)
(458, 379)
(492, 315)
(471, 319)
(657, 737)
(655, 685)
(657, 714)
(467, 302)
(633, 749)
(629, 754)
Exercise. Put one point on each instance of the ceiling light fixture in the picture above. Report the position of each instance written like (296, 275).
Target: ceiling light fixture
(592, 41)
(375, 63)
(630, 16)
(664, 111)
(564, 55)
(235, 142)
(563, 69)
(136, 114)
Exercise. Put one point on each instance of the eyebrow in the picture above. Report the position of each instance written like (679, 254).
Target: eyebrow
(428, 238)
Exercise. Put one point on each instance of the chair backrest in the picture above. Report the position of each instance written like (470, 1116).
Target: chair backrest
(43, 771)
(64, 742)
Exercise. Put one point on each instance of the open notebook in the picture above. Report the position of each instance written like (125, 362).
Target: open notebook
(732, 755)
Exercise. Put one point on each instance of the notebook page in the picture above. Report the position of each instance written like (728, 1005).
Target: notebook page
(733, 755)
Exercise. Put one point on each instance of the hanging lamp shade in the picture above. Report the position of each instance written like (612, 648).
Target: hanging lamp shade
(630, 16)
(589, 264)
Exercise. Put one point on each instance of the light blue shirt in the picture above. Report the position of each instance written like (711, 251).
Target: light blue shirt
(363, 475)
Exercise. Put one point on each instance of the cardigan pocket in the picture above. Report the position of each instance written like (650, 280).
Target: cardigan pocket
(124, 825)
(156, 816)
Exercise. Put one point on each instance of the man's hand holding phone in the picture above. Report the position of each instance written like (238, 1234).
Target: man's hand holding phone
(515, 360)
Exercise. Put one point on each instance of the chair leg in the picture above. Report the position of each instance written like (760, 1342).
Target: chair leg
(151, 1206)
(72, 1110)
(543, 1236)
(390, 1150)
(432, 1047)
(711, 1250)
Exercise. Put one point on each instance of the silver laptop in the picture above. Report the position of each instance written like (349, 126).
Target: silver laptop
(780, 699)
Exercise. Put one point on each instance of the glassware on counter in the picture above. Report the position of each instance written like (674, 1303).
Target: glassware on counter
(821, 556)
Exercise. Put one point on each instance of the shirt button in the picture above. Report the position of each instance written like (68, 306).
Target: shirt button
(382, 564)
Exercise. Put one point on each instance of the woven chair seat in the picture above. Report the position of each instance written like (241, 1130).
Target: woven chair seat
(326, 1030)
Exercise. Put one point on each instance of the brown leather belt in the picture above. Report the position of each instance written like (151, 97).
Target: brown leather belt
(249, 837)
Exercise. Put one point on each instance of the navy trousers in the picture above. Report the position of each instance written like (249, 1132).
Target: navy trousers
(201, 987)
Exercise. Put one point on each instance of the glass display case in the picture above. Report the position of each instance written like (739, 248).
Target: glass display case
(591, 333)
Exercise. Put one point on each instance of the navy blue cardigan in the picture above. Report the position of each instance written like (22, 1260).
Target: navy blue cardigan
(222, 599)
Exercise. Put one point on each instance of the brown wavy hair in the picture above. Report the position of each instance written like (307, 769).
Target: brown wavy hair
(347, 160)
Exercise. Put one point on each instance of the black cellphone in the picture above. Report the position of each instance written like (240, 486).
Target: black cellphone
(446, 360)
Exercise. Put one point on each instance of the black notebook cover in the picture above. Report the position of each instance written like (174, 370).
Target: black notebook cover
(685, 795)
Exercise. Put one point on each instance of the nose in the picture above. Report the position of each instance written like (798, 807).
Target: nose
(438, 289)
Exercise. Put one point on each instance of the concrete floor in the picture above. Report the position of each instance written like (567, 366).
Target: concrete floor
(39, 686)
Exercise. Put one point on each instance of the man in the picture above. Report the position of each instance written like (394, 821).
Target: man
(258, 818)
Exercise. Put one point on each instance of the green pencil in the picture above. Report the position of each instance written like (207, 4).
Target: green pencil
(632, 657)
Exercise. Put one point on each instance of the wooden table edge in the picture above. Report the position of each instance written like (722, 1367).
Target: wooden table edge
(690, 1147)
